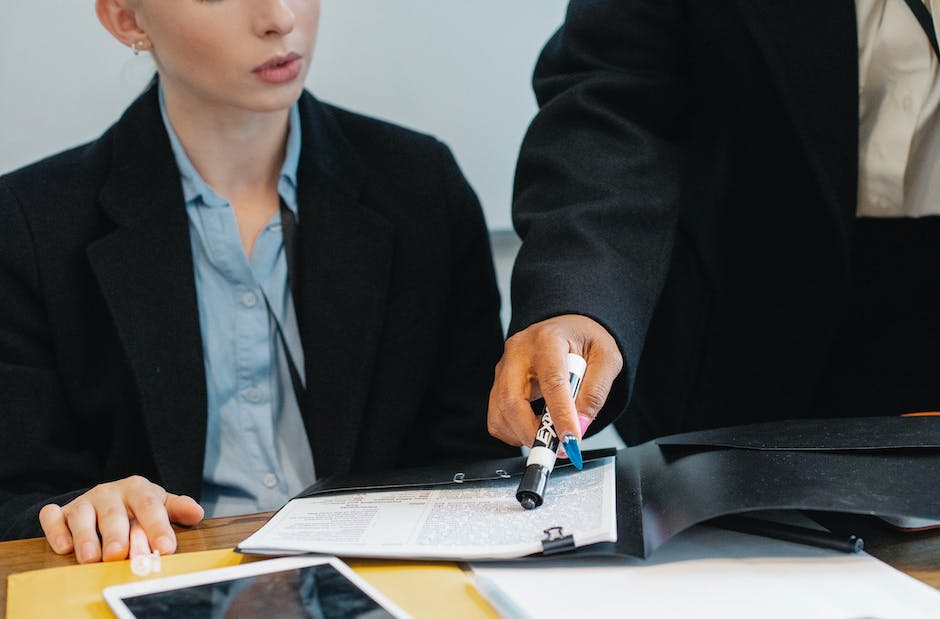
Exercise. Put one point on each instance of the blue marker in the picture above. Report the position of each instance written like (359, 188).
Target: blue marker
(544, 451)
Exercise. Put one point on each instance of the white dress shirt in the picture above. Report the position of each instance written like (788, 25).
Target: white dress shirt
(899, 93)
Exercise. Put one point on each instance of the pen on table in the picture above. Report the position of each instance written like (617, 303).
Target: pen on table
(790, 533)
(544, 450)
(143, 560)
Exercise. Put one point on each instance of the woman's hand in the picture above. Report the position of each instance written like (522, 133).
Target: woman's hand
(533, 365)
(108, 508)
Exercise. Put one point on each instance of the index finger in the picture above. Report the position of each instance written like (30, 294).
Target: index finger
(554, 378)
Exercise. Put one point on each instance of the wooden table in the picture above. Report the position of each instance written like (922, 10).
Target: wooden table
(916, 554)
(210, 534)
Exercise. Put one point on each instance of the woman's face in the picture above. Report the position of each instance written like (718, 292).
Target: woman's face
(247, 54)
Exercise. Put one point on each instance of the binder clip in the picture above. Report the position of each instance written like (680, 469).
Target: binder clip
(556, 541)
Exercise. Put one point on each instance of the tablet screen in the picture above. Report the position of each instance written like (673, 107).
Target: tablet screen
(319, 591)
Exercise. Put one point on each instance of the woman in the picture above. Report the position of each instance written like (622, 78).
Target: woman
(235, 289)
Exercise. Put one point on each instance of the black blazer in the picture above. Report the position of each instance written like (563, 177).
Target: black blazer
(101, 366)
(690, 182)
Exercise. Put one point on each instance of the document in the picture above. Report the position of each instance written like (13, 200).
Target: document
(456, 522)
(657, 490)
(706, 572)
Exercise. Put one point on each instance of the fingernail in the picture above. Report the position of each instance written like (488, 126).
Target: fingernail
(86, 552)
(114, 549)
(60, 544)
(570, 442)
(164, 545)
(585, 422)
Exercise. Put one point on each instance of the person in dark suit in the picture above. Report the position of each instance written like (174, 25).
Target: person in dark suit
(734, 203)
(234, 290)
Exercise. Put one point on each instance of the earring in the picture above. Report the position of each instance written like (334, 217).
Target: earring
(137, 47)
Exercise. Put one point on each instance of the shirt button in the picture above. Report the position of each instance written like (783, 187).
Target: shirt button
(253, 394)
(270, 480)
(249, 299)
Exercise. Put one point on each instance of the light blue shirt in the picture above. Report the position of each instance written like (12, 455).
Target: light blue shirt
(257, 452)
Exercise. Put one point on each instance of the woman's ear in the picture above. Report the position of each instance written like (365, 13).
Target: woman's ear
(120, 19)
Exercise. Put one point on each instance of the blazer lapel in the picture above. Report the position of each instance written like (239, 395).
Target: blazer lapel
(145, 271)
(811, 47)
(344, 269)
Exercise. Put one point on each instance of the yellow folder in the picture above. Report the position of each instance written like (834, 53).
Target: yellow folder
(421, 589)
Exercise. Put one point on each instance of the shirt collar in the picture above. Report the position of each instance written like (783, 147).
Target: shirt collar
(197, 191)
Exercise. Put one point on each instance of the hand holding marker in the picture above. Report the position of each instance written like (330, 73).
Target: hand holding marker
(544, 451)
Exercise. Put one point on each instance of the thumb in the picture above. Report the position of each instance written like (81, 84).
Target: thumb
(183, 509)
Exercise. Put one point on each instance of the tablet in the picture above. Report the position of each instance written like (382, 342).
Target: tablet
(288, 587)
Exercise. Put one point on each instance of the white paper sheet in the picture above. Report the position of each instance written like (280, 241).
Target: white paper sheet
(460, 522)
(706, 572)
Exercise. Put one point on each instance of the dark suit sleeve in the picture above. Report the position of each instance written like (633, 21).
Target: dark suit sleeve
(34, 466)
(454, 411)
(597, 181)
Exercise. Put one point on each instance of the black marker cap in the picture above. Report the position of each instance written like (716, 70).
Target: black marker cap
(532, 487)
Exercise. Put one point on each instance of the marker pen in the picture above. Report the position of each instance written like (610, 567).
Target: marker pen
(544, 451)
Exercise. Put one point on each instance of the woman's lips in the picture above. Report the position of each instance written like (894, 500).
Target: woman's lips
(280, 69)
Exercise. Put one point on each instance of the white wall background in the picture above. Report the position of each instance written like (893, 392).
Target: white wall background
(459, 69)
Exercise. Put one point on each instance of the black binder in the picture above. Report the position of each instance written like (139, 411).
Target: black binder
(886, 466)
